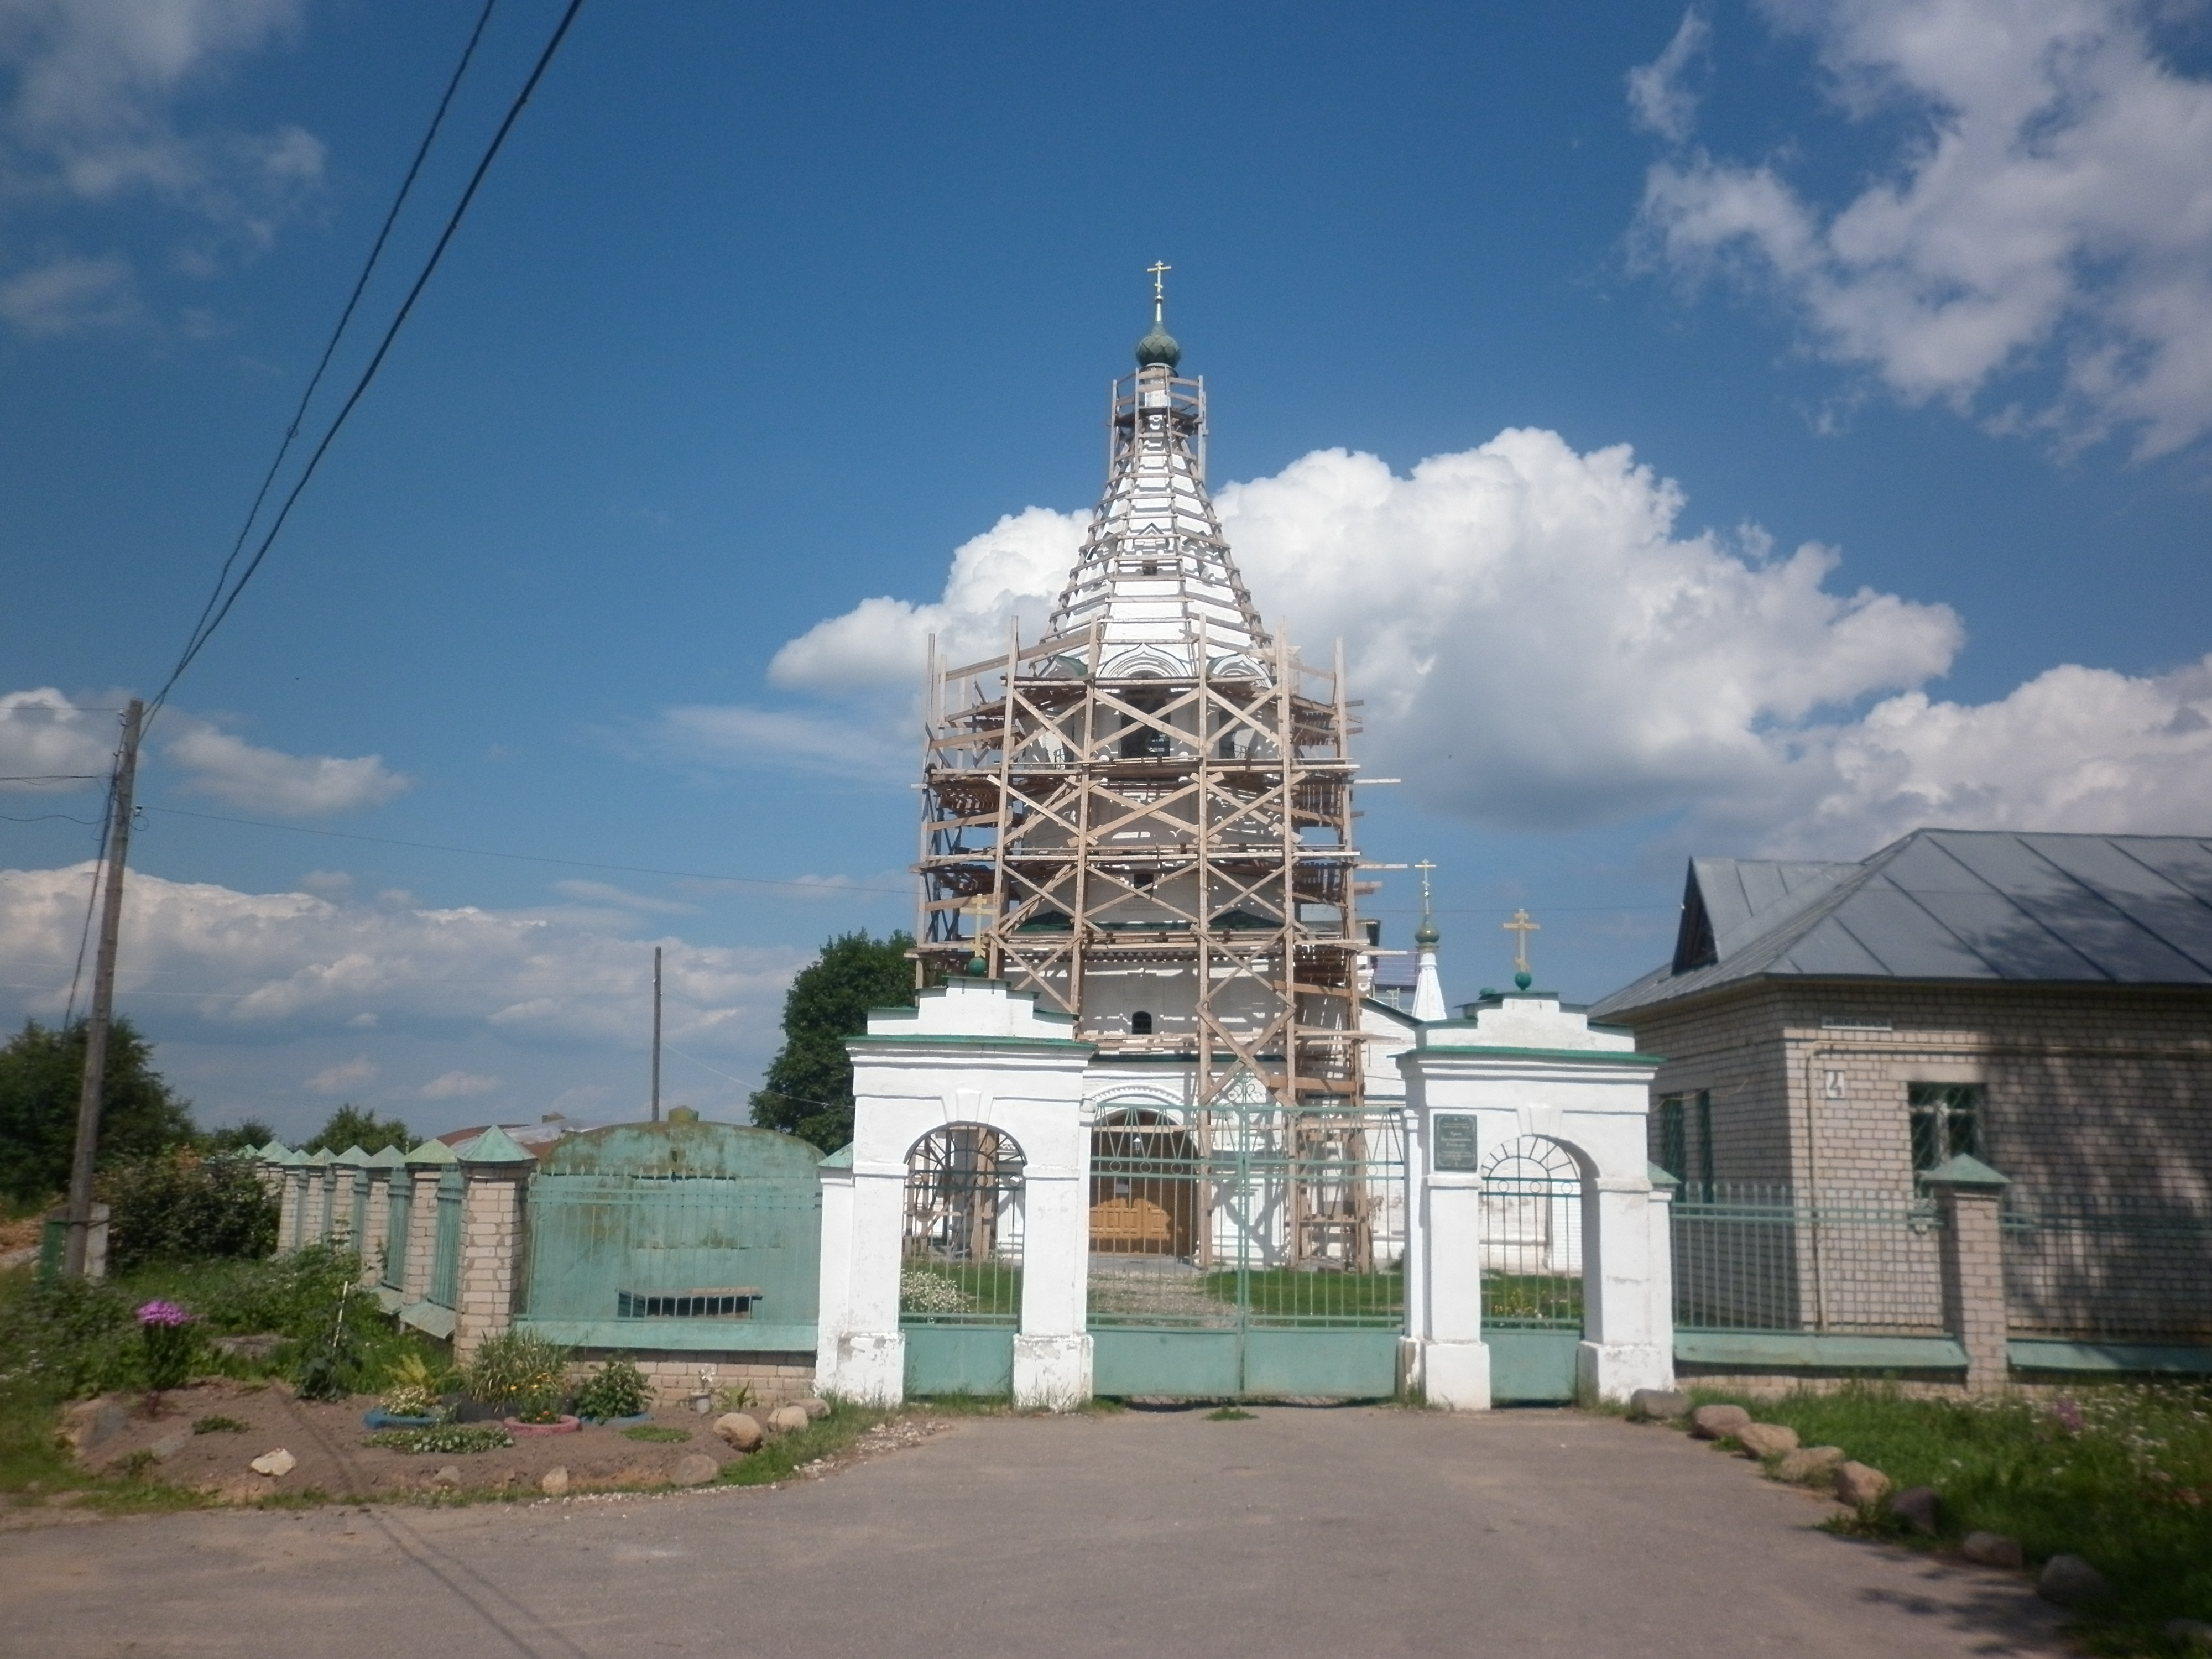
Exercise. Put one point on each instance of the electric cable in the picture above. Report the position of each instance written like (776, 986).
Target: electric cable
(221, 607)
(345, 316)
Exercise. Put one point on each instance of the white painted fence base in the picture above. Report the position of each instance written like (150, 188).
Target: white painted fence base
(1453, 1376)
(1051, 1373)
(865, 1367)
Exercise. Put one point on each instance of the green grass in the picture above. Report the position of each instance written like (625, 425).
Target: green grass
(1229, 1414)
(2129, 1490)
(1286, 1292)
(1532, 1299)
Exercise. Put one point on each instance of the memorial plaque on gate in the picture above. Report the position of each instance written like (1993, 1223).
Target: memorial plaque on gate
(1454, 1142)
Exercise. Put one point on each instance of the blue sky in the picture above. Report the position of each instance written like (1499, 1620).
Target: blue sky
(1855, 365)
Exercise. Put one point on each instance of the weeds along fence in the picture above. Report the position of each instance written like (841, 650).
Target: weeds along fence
(1768, 1258)
(2107, 1269)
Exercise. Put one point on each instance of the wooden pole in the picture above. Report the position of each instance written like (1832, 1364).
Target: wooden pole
(656, 1034)
(103, 1000)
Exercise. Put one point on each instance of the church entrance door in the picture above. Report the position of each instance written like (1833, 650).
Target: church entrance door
(1245, 1251)
(1532, 1271)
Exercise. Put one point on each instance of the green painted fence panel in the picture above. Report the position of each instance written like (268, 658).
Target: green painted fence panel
(446, 1265)
(1533, 1367)
(1198, 1363)
(1342, 1365)
(977, 1360)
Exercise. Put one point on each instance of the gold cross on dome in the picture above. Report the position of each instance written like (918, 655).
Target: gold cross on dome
(979, 917)
(1159, 284)
(1425, 866)
(1524, 926)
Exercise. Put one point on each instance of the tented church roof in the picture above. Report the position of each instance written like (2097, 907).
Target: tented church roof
(1948, 905)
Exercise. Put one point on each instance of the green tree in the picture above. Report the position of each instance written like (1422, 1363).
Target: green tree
(247, 1136)
(349, 1126)
(41, 1073)
(809, 1088)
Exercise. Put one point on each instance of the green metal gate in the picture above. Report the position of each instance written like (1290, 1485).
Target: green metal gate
(1247, 1251)
(1532, 1272)
(960, 1264)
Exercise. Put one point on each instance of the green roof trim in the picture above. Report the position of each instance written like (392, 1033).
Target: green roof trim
(496, 1146)
(291, 1160)
(1572, 1056)
(355, 1155)
(432, 1151)
(840, 1160)
(1663, 1177)
(320, 1157)
(390, 1159)
(1967, 1172)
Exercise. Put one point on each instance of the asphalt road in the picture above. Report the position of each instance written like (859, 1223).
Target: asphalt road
(1345, 1532)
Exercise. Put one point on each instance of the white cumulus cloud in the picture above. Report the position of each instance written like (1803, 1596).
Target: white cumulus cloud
(347, 1074)
(1659, 95)
(457, 1085)
(2051, 211)
(49, 742)
(260, 780)
(1542, 644)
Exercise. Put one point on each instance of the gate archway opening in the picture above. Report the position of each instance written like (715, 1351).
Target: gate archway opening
(1532, 1263)
(1144, 1200)
(960, 1260)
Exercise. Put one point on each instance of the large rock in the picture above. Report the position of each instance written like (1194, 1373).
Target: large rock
(169, 1445)
(1991, 1549)
(815, 1409)
(2070, 1581)
(1919, 1508)
(1718, 1422)
(555, 1482)
(1658, 1405)
(1810, 1466)
(740, 1431)
(696, 1470)
(788, 1419)
(275, 1464)
(90, 1422)
(1766, 1440)
(1859, 1485)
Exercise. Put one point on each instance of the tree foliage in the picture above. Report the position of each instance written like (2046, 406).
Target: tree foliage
(809, 1088)
(349, 1126)
(41, 1073)
(183, 1206)
(247, 1135)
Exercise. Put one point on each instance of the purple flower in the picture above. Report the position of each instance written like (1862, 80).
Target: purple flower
(2069, 1415)
(163, 1313)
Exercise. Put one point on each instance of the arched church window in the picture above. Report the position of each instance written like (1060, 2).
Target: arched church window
(1141, 1023)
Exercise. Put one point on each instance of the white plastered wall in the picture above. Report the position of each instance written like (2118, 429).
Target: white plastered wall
(969, 1052)
(1522, 1065)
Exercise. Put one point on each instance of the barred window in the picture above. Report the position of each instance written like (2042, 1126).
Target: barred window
(1947, 1121)
(1673, 1150)
(1705, 1142)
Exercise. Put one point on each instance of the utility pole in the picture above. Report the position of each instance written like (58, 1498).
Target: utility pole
(656, 1034)
(103, 1000)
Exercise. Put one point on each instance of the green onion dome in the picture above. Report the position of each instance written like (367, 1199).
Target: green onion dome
(1426, 936)
(1158, 347)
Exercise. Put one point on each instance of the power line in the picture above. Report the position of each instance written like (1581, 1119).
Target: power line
(345, 317)
(535, 858)
(52, 777)
(221, 607)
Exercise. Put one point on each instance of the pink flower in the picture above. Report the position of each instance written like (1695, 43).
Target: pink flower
(2069, 1415)
(163, 1313)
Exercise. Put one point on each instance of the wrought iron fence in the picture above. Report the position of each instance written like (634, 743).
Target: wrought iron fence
(2108, 1269)
(961, 1258)
(399, 1213)
(1754, 1257)
(1532, 1248)
(446, 1264)
(1248, 1214)
(635, 1246)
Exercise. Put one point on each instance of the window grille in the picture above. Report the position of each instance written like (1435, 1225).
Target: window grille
(1946, 1120)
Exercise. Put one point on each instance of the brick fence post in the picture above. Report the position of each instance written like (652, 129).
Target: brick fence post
(498, 1174)
(1968, 1196)
(291, 1201)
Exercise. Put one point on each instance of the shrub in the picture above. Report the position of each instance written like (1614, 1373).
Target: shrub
(526, 1376)
(617, 1389)
(923, 1291)
(178, 1206)
(69, 1338)
(446, 1438)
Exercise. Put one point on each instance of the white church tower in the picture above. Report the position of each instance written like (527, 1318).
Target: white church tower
(1145, 817)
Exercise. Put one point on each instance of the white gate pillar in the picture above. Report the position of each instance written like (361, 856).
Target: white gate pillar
(969, 1052)
(1524, 1065)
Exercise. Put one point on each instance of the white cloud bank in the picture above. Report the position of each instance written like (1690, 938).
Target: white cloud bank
(1541, 646)
(51, 744)
(2053, 208)
(272, 965)
(90, 119)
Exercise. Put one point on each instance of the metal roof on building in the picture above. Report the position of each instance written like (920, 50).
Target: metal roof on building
(1981, 905)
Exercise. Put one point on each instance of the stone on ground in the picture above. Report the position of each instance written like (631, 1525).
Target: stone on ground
(1859, 1485)
(786, 1419)
(740, 1431)
(89, 1422)
(817, 1409)
(2070, 1581)
(447, 1475)
(1765, 1440)
(1918, 1507)
(696, 1470)
(241, 1489)
(1658, 1405)
(1718, 1422)
(168, 1446)
(2190, 1635)
(556, 1483)
(1990, 1549)
(1810, 1466)
(275, 1464)
(259, 1345)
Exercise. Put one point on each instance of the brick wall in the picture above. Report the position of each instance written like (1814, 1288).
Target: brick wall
(777, 1379)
